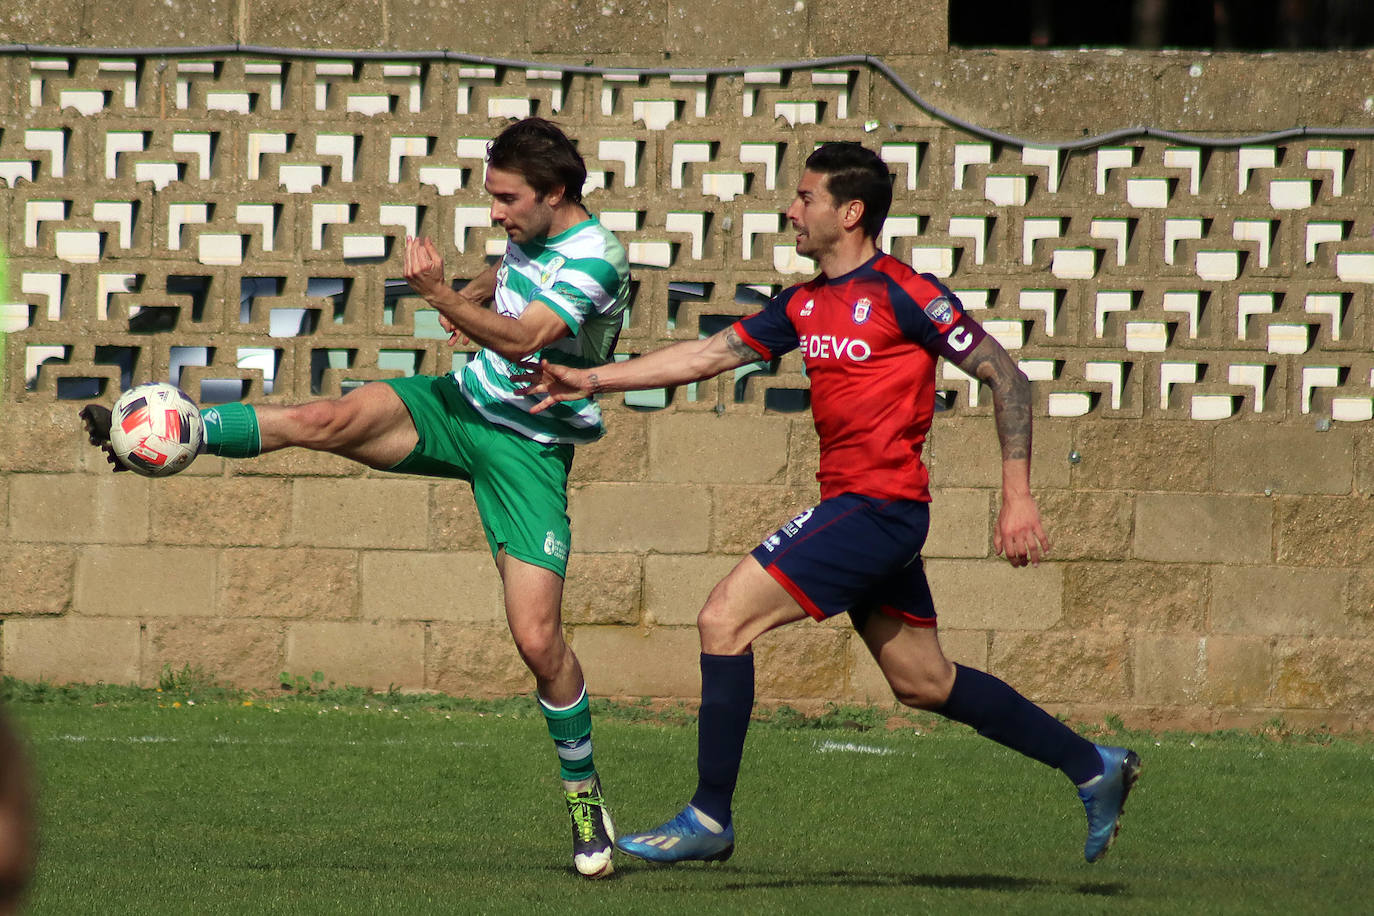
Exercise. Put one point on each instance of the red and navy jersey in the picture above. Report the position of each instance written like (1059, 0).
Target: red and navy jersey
(869, 340)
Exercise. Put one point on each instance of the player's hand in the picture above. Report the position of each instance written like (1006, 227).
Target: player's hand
(424, 267)
(552, 382)
(1019, 536)
(455, 337)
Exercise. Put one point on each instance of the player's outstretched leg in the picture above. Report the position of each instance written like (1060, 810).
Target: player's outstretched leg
(1103, 775)
(691, 835)
(97, 420)
(1104, 798)
(370, 425)
(913, 662)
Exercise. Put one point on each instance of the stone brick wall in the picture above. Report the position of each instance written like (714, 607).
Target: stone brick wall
(1197, 320)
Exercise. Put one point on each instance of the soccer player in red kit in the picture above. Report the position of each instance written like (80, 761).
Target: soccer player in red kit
(869, 329)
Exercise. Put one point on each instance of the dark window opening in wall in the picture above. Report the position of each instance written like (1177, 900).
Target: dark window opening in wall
(1221, 25)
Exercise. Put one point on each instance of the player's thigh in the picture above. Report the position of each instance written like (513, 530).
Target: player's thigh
(533, 599)
(520, 488)
(910, 658)
(379, 431)
(743, 606)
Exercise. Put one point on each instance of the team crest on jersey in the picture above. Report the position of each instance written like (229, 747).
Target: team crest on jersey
(551, 270)
(940, 310)
(808, 308)
(861, 310)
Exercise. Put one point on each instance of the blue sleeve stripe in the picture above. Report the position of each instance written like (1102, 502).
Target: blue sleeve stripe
(770, 328)
(935, 282)
(911, 315)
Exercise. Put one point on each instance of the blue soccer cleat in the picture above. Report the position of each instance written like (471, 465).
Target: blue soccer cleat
(683, 838)
(1104, 798)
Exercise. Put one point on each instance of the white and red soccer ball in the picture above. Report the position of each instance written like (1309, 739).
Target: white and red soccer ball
(156, 429)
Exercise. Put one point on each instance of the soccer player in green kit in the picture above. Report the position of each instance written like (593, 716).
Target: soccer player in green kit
(558, 293)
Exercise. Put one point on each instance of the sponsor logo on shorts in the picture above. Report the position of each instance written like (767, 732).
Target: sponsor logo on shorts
(554, 547)
(791, 529)
(940, 310)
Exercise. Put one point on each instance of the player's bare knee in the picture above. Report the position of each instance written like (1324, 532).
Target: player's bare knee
(719, 629)
(926, 689)
(323, 425)
(920, 699)
(542, 663)
(543, 653)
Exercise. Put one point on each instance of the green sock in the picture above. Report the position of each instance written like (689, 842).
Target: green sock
(231, 430)
(571, 731)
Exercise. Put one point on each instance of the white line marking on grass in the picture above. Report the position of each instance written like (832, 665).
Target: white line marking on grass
(849, 747)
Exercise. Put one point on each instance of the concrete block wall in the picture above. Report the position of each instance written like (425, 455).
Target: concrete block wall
(1198, 321)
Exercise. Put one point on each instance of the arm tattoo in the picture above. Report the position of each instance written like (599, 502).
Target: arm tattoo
(595, 382)
(1011, 397)
(739, 347)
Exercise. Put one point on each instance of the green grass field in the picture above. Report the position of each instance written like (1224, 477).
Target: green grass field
(356, 803)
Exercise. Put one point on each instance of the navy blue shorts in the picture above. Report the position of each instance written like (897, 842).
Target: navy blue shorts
(854, 553)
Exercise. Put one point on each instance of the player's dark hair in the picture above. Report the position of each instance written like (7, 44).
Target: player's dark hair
(543, 155)
(854, 172)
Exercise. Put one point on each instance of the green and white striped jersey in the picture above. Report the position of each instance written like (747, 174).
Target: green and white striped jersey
(584, 276)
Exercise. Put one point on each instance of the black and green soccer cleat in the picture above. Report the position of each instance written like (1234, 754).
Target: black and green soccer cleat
(593, 832)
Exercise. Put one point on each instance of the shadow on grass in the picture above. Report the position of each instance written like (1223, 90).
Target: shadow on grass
(734, 879)
(1010, 883)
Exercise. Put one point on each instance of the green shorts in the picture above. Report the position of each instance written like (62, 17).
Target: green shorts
(520, 485)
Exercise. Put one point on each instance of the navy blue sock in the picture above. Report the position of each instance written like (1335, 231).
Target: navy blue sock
(727, 699)
(1000, 713)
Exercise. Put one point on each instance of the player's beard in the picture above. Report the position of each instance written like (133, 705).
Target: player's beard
(533, 228)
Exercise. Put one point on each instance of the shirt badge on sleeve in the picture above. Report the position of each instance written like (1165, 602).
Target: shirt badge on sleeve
(551, 270)
(940, 310)
(861, 310)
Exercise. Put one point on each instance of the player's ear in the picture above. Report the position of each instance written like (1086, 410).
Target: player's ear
(555, 197)
(852, 215)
